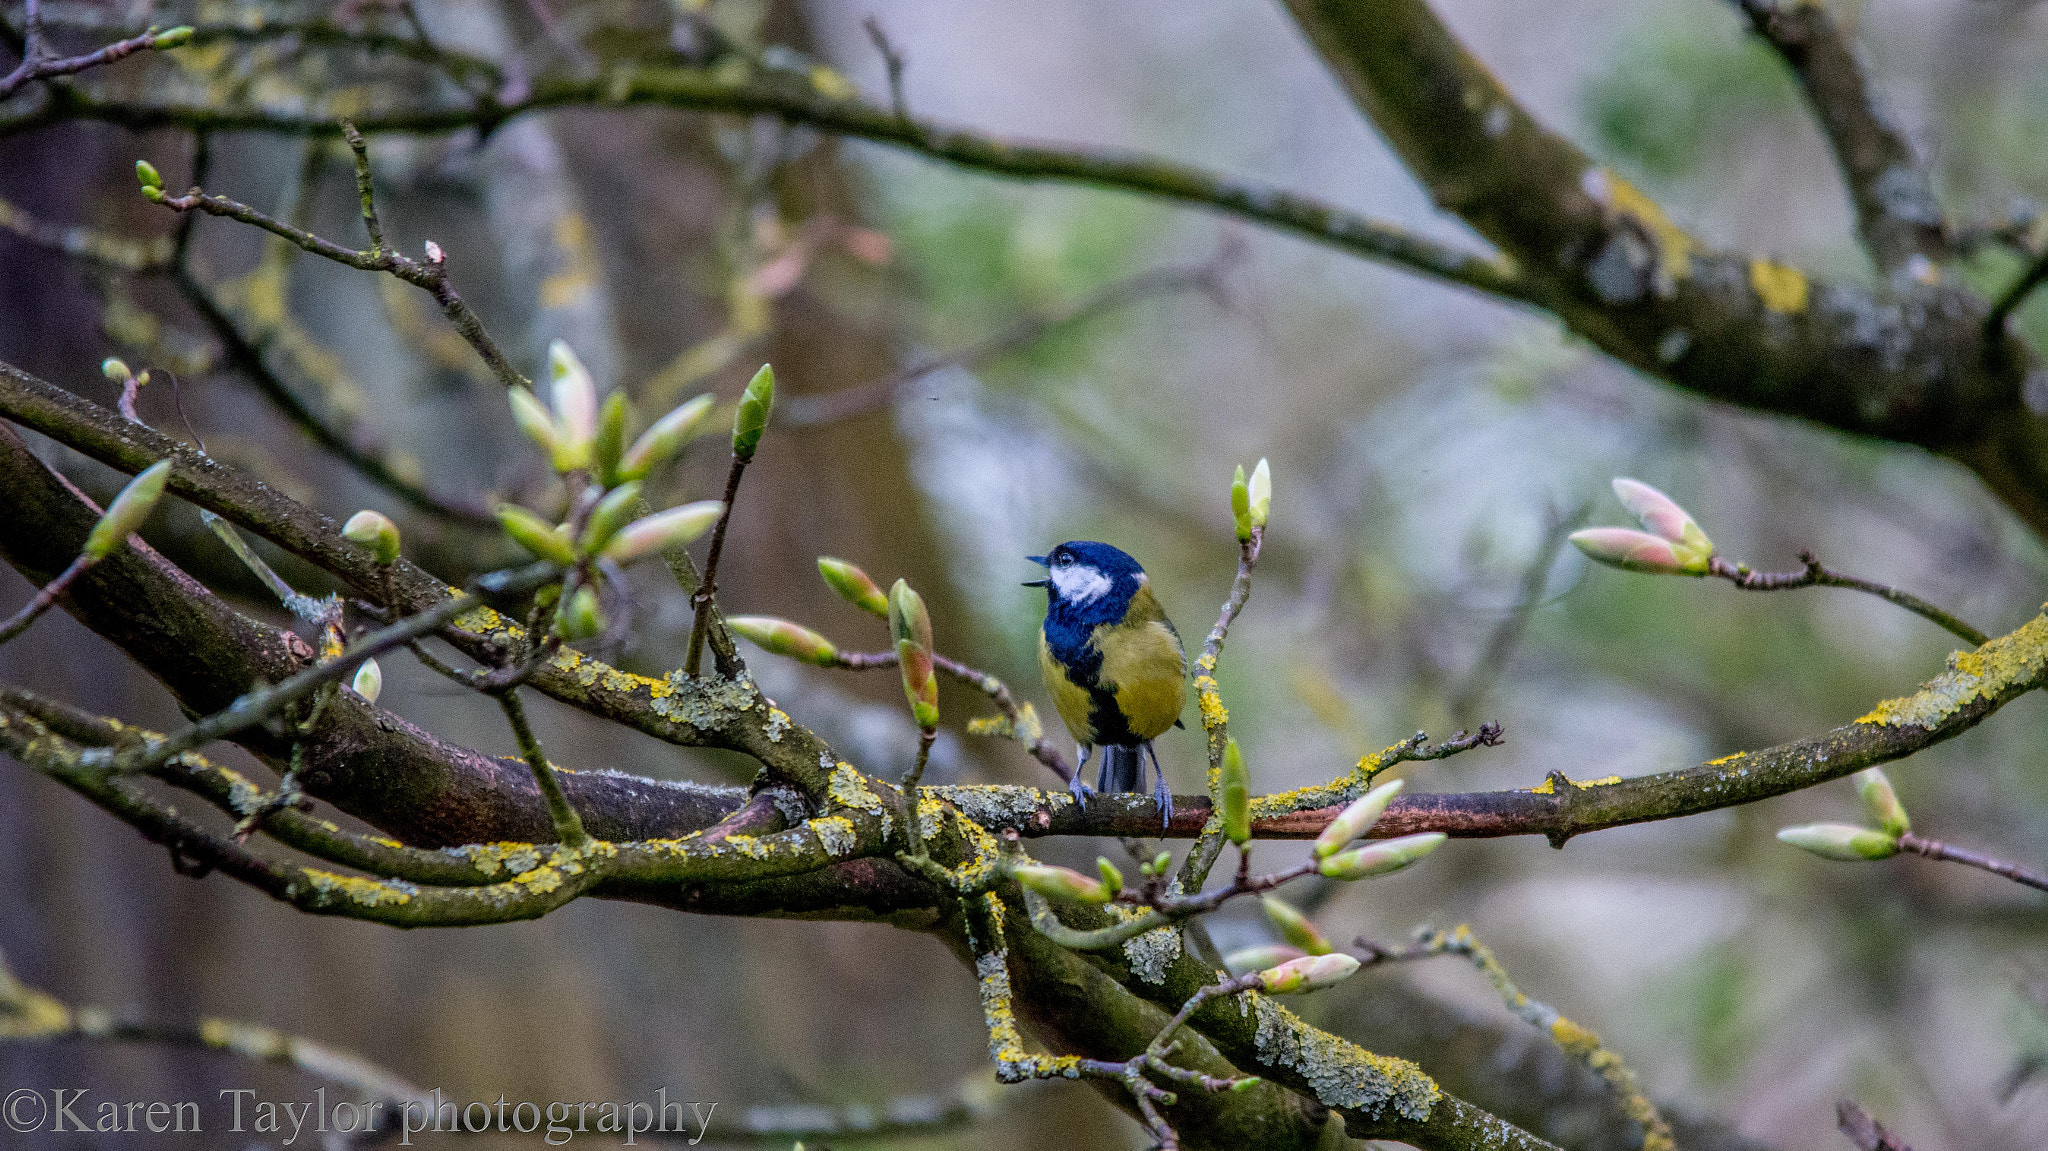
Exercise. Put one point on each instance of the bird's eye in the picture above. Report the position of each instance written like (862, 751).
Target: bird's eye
(1065, 561)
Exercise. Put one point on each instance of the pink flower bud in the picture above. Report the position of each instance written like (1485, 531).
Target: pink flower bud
(784, 638)
(1294, 927)
(663, 530)
(1261, 957)
(1661, 514)
(1382, 858)
(1635, 551)
(1356, 819)
(1308, 973)
(1061, 884)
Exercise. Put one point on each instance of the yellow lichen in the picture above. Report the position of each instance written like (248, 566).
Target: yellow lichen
(1622, 199)
(2010, 662)
(357, 890)
(1783, 290)
(1341, 1073)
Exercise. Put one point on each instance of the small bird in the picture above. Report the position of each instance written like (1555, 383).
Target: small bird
(1112, 662)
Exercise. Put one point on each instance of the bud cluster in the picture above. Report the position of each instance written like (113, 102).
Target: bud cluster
(591, 443)
(1850, 842)
(1673, 545)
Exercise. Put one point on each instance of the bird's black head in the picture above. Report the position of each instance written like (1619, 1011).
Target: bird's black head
(1083, 575)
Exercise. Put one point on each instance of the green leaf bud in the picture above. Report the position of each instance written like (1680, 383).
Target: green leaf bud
(1842, 841)
(781, 637)
(752, 418)
(663, 530)
(1111, 877)
(1357, 819)
(575, 408)
(116, 370)
(1235, 785)
(1294, 927)
(533, 418)
(854, 586)
(375, 531)
(612, 513)
(608, 450)
(1241, 504)
(151, 179)
(369, 680)
(128, 510)
(582, 617)
(172, 37)
(658, 444)
(911, 627)
(539, 537)
(1259, 493)
(1060, 884)
(1882, 802)
(1161, 862)
(1308, 973)
(1382, 858)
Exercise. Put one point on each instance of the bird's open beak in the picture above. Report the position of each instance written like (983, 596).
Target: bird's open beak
(1040, 561)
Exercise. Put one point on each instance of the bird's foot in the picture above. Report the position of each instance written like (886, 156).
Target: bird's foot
(1079, 788)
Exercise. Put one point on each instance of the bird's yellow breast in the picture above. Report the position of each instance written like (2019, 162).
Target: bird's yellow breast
(1144, 668)
(1074, 702)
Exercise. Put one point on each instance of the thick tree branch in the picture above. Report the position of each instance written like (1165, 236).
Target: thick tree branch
(1896, 211)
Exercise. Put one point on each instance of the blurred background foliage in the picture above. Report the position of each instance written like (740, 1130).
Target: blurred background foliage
(1427, 448)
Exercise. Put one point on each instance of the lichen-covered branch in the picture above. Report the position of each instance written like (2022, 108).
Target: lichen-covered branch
(1571, 1038)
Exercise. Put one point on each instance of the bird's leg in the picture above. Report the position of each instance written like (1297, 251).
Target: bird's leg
(1160, 791)
(1077, 784)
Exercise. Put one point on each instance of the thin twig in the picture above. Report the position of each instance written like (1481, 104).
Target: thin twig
(1814, 575)
(44, 597)
(430, 274)
(259, 705)
(707, 587)
(1866, 1133)
(568, 824)
(892, 59)
(1528, 598)
(1194, 870)
(2010, 299)
(1025, 730)
(1936, 849)
(35, 65)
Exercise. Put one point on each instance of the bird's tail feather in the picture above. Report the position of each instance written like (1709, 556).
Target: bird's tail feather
(1122, 770)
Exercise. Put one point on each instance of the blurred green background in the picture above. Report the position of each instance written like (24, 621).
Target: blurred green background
(1425, 446)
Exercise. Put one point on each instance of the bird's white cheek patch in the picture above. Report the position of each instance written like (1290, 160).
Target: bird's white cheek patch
(1079, 584)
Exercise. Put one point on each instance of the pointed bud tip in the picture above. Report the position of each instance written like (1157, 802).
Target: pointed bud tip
(126, 511)
(151, 180)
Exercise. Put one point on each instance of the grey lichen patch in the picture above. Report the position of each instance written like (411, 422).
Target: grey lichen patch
(1341, 1073)
(1003, 805)
(835, 833)
(778, 722)
(848, 788)
(1152, 953)
(703, 703)
(2012, 660)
